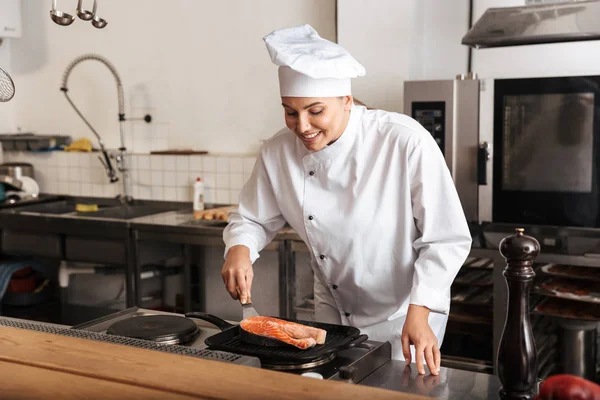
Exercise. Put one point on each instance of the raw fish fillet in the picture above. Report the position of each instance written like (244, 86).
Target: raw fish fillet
(298, 335)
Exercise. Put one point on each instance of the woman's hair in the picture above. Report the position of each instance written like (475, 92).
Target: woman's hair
(360, 103)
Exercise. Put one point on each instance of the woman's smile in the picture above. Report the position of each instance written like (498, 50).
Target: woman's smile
(317, 122)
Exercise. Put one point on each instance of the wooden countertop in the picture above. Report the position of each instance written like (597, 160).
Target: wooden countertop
(36, 365)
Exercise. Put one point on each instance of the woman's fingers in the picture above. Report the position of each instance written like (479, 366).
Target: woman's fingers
(249, 279)
(230, 285)
(437, 358)
(430, 359)
(240, 276)
(406, 349)
(419, 350)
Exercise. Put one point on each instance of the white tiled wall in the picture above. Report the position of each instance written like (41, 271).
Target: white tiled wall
(154, 177)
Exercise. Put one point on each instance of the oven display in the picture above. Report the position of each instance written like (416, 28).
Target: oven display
(431, 115)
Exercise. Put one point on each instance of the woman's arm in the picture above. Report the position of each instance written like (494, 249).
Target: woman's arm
(251, 227)
(442, 248)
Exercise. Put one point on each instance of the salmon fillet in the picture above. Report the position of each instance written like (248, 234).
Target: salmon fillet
(301, 336)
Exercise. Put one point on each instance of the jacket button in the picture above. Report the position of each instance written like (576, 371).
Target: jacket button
(311, 173)
(322, 257)
(335, 287)
(347, 314)
(310, 217)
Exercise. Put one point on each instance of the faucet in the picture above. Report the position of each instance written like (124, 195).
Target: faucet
(121, 157)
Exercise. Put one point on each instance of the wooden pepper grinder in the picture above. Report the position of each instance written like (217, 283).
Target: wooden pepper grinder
(517, 356)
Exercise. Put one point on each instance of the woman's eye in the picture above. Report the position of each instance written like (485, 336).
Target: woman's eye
(316, 112)
(291, 114)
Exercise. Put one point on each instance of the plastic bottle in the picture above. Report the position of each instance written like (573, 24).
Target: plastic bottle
(198, 195)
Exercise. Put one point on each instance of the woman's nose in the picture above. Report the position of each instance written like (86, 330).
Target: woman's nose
(303, 124)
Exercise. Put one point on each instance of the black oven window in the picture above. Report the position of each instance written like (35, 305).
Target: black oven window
(547, 151)
(548, 142)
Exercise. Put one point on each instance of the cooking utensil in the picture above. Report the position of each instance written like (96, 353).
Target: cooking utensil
(11, 182)
(239, 341)
(245, 336)
(7, 87)
(30, 187)
(248, 311)
(96, 20)
(247, 308)
(83, 13)
(61, 18)
(17, 169)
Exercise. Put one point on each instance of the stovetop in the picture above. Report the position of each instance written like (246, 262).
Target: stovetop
(363, 359)
(103, 323)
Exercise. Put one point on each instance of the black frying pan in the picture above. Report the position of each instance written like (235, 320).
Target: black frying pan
(235, 340)
(245, 336)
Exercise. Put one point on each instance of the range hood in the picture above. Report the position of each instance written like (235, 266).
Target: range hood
(536, 24)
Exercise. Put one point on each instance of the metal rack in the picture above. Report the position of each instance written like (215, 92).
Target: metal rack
(569, 296)
(469, 333)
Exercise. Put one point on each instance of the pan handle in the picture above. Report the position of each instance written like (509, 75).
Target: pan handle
(218, 322)
(357, 342)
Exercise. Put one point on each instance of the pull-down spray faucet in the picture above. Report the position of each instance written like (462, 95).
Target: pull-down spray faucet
(122, 162)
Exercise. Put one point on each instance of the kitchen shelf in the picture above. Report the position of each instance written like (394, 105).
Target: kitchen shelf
(571, 272)
(569, 309)
(480, 263)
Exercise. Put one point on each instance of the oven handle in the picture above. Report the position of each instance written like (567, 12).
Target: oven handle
(483, 155)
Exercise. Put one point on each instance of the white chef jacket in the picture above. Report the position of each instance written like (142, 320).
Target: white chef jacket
(379, 212)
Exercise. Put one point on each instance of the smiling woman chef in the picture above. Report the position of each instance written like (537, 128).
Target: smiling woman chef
(369, 193)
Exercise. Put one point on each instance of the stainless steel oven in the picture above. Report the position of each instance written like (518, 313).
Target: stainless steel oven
(521, 151)
(450, 111)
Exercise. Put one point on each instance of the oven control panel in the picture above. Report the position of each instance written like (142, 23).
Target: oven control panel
(431, 114)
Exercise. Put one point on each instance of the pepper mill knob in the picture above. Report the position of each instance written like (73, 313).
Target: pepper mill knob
(519, 247)
(517, 356)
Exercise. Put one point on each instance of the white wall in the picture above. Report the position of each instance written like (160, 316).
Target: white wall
(7, 113)
(402, 40)
(153, 177)
(558, 59)
(199, 67)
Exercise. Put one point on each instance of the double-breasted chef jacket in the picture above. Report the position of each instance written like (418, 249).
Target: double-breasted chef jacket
(379, 212)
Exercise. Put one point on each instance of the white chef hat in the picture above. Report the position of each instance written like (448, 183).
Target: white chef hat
(310, 66)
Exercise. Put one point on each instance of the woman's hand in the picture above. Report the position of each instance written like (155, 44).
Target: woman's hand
(416, 331)
(237, 273)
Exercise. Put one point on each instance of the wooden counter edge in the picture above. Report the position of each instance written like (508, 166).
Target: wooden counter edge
(171, 373)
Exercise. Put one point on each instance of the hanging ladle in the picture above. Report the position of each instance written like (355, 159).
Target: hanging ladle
(97, 21)
(83, 13)
(61, 18)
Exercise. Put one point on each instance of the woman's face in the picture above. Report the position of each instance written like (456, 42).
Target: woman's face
(317, 121)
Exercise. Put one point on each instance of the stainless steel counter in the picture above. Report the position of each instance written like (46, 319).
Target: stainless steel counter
(451, 384)
(182, 222)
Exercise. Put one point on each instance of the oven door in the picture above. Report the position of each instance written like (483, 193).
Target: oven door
(546, 140)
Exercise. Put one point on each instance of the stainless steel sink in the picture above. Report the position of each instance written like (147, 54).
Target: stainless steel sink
(107, 208)
(59, 207)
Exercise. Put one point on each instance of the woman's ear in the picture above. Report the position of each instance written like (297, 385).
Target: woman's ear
(348, 101)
